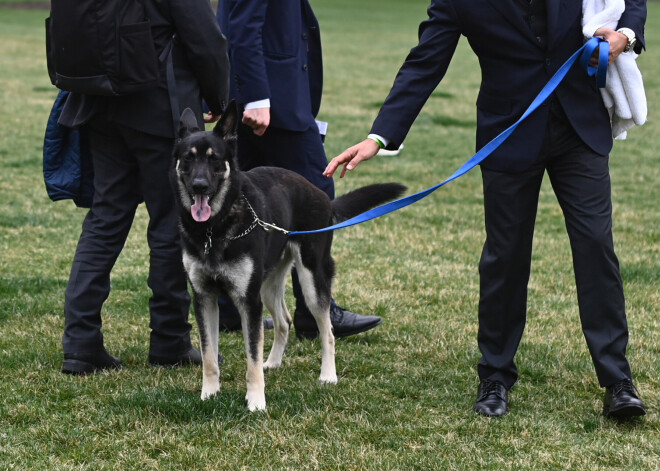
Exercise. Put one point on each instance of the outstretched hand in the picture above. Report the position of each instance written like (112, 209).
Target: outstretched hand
(352, 157)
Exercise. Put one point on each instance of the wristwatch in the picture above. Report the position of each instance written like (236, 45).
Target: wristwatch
(632, 40)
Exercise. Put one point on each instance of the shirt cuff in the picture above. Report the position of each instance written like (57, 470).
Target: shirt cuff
(382, 141)
(258, 104)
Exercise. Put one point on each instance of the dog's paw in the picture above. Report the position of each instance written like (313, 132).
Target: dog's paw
(256, 403)
(272, 365)
(208, 392)
(328, 379)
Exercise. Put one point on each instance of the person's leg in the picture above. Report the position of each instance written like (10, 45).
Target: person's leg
(581, 181)
(169, 304)
(510, 205)
(104, 233)
(304, 153)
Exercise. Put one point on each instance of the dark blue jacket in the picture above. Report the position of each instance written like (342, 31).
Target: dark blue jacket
(514, 69)
(275, 53)
(68, 171)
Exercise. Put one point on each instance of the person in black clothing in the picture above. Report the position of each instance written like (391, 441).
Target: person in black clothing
(131, 139)
(520, 45)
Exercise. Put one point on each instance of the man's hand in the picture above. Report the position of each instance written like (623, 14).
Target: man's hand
(211, 118)
(258, 119)
(352, 157)
(618, 43)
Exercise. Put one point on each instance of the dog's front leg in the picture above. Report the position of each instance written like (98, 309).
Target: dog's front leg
(206, 313)
(328, 368)
(253, 335)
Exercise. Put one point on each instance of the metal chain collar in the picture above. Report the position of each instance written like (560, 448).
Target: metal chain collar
(266, 226)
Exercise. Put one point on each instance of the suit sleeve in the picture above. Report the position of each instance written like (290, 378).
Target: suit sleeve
(245, 21)
(634, 17)
(206, 49)
(420, 74)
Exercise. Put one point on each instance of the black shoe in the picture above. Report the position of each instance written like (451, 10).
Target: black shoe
(622, 401)
(232, 324)
(344, 323)
(190, 357)
(492, 399)
(88, 363)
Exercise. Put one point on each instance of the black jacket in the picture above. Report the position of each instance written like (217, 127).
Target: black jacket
(201, 70)
(514, 69)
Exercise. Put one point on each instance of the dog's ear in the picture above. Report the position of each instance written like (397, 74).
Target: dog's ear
(187, 124)
(227, 127)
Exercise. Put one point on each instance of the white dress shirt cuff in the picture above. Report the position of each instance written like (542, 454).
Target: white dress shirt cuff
(258, 104)
(382, 141)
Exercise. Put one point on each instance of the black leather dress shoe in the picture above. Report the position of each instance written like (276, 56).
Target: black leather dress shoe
(622, 401)
(492, 399)
(88, 363)
(344, 323)
(191, 357)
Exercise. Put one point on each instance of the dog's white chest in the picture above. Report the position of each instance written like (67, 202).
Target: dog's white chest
(236, 273)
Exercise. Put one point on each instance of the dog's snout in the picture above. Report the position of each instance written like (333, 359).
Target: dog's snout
(200, 185)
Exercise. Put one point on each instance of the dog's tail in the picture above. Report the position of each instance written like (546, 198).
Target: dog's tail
(363, 199)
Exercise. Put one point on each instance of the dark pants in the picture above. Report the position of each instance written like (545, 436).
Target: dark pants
(129, 167)
(580, 179)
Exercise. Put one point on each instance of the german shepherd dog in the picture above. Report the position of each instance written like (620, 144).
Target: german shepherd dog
(230, 249)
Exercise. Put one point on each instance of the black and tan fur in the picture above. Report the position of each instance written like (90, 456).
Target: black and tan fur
(229, 254)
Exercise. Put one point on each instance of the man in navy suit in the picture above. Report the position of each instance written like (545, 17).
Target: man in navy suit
(276, 79)
(520, 45)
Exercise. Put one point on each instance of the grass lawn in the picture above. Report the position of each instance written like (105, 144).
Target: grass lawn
(405, 391)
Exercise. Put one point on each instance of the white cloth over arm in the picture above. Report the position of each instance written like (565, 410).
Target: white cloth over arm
(624, 94)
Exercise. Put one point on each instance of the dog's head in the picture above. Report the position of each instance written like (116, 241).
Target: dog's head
(204, 162)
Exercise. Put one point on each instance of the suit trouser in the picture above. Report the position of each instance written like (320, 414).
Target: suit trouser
(129, 167)
(581, 182)
(300, 152)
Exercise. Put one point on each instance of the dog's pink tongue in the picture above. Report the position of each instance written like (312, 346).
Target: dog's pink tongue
(201, 211)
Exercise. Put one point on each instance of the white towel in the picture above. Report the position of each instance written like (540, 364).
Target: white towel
(624, 95)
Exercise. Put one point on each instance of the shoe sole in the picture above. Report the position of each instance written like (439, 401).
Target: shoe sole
(312, 334)
(625, 412)
(83, 368)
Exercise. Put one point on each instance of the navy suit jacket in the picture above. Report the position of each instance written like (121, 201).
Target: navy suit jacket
(514, 70)
(275, 53)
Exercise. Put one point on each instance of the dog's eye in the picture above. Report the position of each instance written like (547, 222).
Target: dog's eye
(188, 157)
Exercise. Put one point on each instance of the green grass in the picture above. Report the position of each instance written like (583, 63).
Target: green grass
(405, 390)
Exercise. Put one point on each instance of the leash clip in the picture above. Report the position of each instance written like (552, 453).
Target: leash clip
(268, 227)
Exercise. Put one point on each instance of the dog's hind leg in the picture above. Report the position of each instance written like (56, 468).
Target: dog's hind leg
(316, 287)
(206, 313)
(272, 295)
(251, 309)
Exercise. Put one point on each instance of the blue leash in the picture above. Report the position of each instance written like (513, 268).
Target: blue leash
(584, 53)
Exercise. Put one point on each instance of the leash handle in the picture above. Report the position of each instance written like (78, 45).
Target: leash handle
(584, 54)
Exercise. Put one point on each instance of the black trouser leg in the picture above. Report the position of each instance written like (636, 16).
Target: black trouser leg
(581, 182)
(104, 233)
(510, 203)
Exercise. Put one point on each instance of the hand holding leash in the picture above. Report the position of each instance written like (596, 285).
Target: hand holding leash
(618, 43)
